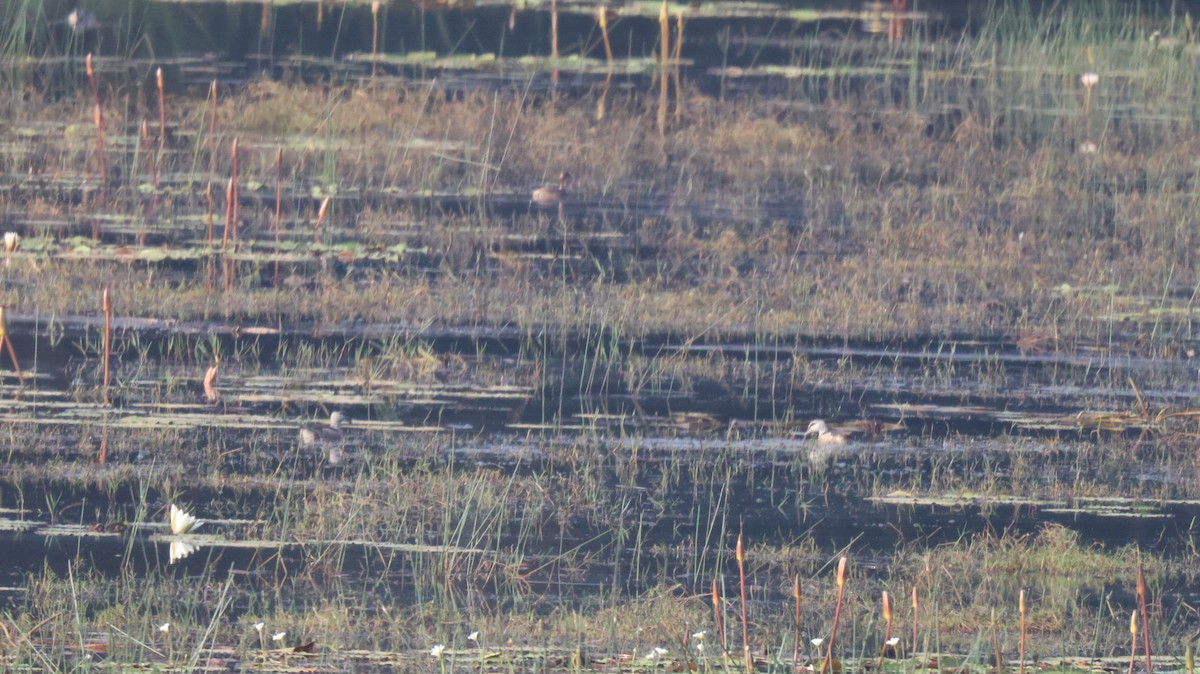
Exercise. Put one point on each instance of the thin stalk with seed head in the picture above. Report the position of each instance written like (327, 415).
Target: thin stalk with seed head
(1021, 608)
(162, 113)
(98, 118)
(374, 38)
(716, 602)
(741, 560)
(1141, 593)
(676, 75)
(796, 624)
(602, 15)
(837, 613)
(887, 631)
(915, 607)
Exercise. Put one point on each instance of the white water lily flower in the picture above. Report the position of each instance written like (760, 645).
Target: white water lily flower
(181, 522)
(1089, 80)
(278, 636)
(258, 627)
(817, 642)
(164, 627)
(893, 641)
(473, 636)
(700, 634)
(436, 651)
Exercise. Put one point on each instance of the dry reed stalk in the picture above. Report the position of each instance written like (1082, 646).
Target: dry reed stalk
(228, 213)
(211, 394)
(664, 57)
(1141, 593)
(837, 613)
(739, 553)
(98, 118)
(106, 304)
(151, 164)
(796, 625)
(1021, 656)
(1189, 658)
(716, 602)
(1133, 630)
(374, 38)
(265, 20)
(103, 458)
(887, 632)
(12, 353)
(162, 113)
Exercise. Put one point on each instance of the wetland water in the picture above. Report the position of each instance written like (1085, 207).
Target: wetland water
(915, 221)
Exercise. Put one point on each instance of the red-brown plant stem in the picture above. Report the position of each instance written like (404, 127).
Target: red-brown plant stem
(162, 113)
(212, 129)
(98, 118)
(741, 560)
(1021, 608)
(887, 632)
(228, 264)
(228, 213)
(796, 625)
(1141, 593)
(837, 614)
(107, 306)
(151, 164)
(12, 353)
(716, 601)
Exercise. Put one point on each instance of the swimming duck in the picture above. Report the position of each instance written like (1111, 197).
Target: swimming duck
(550, 196)
(312, 434)
(824, 435)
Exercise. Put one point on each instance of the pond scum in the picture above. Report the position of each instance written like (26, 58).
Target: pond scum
(573, 432)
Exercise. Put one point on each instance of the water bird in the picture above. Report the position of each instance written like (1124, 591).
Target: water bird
(314, 434)
(550, 196)
(824, 435)
(181, 522)
(81, 20)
